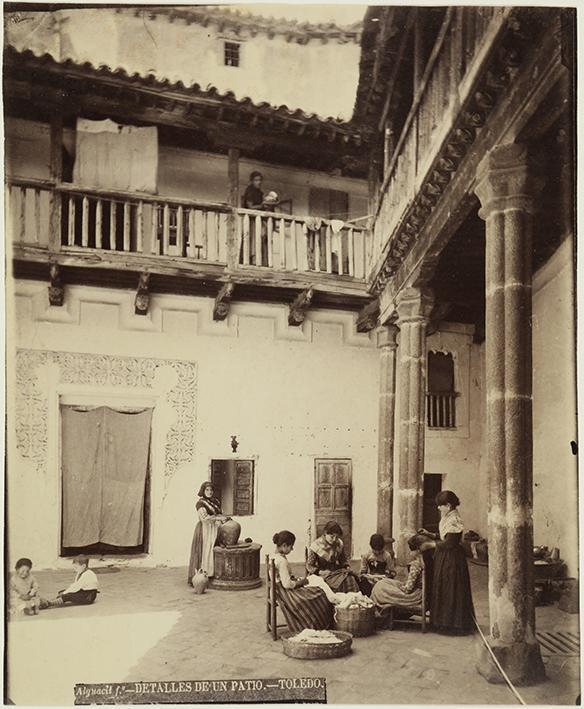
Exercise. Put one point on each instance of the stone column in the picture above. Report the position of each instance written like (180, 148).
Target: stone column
(387, 343)
(508, 187)
(414, 306)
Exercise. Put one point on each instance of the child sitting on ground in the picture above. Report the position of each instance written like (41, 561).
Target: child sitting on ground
(378, 563)
(24, 589)
(83, 591)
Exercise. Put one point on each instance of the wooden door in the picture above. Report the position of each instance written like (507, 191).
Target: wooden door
(333, 496)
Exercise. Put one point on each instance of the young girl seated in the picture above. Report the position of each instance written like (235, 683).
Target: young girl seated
(303, 607)
(377, 564)
(24, 589)
(390, 592)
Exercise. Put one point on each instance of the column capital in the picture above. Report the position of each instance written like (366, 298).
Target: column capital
(509, 177)
(414, 304)
(387, 336)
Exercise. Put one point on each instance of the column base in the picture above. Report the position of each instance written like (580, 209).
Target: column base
(521, 661)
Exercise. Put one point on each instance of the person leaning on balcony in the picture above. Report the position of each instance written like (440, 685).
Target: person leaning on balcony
(253, 197)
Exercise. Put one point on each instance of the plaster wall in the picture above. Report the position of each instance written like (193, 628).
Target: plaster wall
(290, 395)
(273, 70)
(555, 470)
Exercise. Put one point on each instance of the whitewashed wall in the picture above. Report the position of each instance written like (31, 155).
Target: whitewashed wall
(554, 406)
(272, 69)
(289, 394)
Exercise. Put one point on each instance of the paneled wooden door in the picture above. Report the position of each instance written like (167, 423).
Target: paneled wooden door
(333, 496)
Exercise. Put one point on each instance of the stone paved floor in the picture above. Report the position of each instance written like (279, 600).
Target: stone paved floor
(148, 625)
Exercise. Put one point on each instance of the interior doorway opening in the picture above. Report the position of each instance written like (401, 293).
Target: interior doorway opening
(430, 514)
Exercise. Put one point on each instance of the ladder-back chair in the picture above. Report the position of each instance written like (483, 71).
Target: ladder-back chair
(272, 600)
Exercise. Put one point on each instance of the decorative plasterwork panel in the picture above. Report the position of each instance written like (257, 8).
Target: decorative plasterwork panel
(32, 406)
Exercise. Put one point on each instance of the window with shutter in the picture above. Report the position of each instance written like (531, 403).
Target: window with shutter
(234, 485)
(243, 489)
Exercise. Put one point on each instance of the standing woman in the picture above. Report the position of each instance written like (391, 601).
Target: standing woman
(327, 558)
(303, 606)
(210, 519)
(451, 608)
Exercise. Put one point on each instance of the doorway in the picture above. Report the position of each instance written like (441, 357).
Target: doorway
(430, 513)
(105, 480)
(333, 496)
(233, 481)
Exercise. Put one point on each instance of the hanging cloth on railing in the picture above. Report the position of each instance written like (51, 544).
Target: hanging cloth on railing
(313, 223)
(115, 157)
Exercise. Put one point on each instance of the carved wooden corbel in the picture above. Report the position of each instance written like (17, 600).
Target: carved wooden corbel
(300, 306)
(223, 301)
(368, 317)
(56, 288)
(142, 300)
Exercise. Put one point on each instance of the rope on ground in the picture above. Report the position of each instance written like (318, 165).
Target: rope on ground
(498, 664)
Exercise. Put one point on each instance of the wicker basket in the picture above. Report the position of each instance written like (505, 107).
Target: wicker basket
(308, 651)
(357, 621)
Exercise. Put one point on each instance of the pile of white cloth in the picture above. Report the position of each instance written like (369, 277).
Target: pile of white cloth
(341, 600)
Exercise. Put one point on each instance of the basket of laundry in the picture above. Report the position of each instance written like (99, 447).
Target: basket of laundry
(316, 644)
(357, 619)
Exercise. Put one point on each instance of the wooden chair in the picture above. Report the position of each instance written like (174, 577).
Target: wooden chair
(271, 600)
(421, 611)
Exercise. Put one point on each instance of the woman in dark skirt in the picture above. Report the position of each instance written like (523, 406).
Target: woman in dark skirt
(303, 606)
(451, 607)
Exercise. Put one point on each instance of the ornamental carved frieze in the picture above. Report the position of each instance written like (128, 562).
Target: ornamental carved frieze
(497, 76)
(32, 404)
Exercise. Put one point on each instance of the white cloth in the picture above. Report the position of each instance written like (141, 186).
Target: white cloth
(342, 600)
(451, 523)
(115, 157)
(84, 581)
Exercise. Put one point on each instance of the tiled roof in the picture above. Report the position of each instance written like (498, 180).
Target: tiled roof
(236, 20)
(330, 128)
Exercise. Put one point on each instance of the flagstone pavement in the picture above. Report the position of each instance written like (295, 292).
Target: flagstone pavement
(147, 625)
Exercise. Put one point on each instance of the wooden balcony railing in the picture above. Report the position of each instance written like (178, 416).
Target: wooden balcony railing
(293, 243)
(441, 409)
(459, 52)
(69, 219)
(130, 223)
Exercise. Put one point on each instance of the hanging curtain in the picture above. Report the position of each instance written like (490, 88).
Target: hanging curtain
(124, 477)
(115, 157)
(105, 463)
(82, 477)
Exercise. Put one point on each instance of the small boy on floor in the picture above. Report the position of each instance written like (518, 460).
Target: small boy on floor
(24, 589)
(376, 564)
(83, 591)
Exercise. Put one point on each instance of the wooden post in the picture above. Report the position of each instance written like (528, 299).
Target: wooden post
(56, 173)
(233, 199)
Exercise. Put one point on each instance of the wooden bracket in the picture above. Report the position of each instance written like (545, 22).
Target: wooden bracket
(223, 301)
(368, 316)
(56, 288)
(142, 300)
(300, 306)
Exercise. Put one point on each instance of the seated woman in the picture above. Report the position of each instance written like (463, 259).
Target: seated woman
(406, 595)
(326, 558)
(303, 607)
